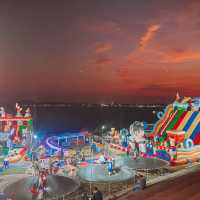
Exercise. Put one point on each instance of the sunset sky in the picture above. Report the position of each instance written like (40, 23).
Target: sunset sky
(128, 51)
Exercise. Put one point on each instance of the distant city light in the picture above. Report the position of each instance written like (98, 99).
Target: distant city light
(35, 136)
(103, 127)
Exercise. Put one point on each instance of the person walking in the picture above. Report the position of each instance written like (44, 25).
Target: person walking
(6, 163)
(84, 196)
(50, 167)
(110, 166)
(37, 168)
(97, 195)
(44, 179)
(34, 191)
(128, 150)
(34, 169)
(40, 193)
(40, 181)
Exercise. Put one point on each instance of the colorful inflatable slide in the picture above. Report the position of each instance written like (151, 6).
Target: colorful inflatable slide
(16, 133)
(17, 155)
(178, 131)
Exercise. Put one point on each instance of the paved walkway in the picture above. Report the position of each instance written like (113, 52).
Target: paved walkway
(189, 169)
(185, 187)
(6, 180)
(170, 176)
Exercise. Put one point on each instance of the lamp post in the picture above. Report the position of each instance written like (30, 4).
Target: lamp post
(34, 140)
(35, 137)
(102, 130)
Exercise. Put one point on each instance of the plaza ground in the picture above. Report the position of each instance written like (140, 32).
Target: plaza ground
(185, 187)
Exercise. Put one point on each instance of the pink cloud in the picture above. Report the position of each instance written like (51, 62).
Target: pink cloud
(103, 60)
(123, 72)
(148, 35)
(182, 55)
(143, 54)
(103, 47)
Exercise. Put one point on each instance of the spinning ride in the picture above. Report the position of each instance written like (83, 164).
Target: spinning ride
(57, 186)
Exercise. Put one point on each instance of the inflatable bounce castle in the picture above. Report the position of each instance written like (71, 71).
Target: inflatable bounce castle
(176, 136)
(15, 133)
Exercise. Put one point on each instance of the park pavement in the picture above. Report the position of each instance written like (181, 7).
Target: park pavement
(191, 169)
(6, 180)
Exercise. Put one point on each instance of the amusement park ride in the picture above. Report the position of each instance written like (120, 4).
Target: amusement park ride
(15, 133)
(175, 137)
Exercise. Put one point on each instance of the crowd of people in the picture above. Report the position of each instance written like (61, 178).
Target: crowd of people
(40, 170)
(39, 187)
